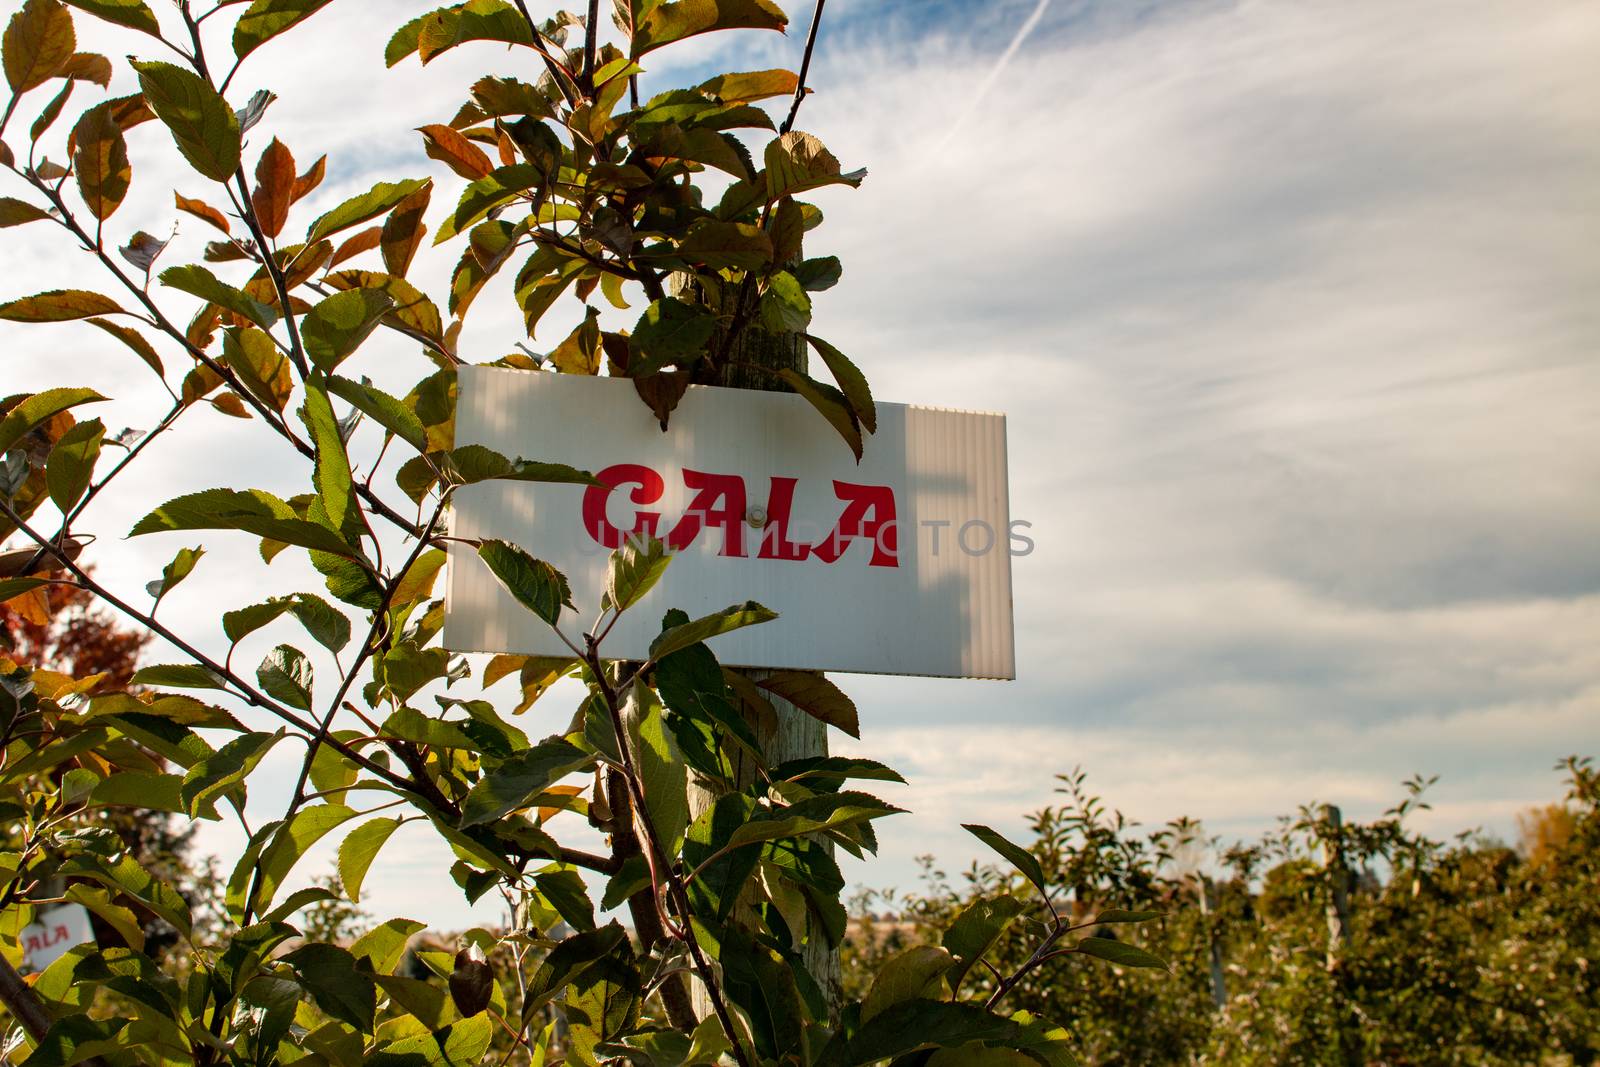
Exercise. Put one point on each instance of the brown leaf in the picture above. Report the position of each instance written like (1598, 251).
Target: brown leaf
(661, 392)
(100, 161)
(201, 210)
(33, 606)
(471, 985)
(815, 695)
(202, 328)
(403, 231)
(130, 111)
(365, 241)
(455, 151)
(199, 382)
(39, 41)
(89, 67)
(274, 192)
(59, 305)
(230, 404)
(310, 179)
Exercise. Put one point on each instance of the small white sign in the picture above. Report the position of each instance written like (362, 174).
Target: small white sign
(898, 565)
(49, 937)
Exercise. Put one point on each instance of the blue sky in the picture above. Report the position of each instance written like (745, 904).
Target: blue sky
(1291, 308)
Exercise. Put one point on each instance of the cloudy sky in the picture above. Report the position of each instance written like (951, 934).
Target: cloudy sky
(1292, 310)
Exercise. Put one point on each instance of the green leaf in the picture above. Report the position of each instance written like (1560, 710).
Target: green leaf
(750, 86)
(203, 125)
(917, 972)
(728, 619)
(665, 23)
(661, 769)
(720, 245)
(822, 812)
(1118, 952)
(798, 161)
(327, 625)
(1018, 857)
(818, 275)
(851, 382)
(253, 511)
(238, 625)
(815, 695)
(59, 305)
(285, 676)
(566, 892)
(1112, 915)
(289, 842)
(471, 464)
(179, 676)
(536, 585)
(464, 1041)
(478, 20)
(568, 958)
(975, 932)
(337, 326)
(76, 1038)
(225, 768)
(409, 724)
(358, 209)
(817, 769)
(635, 569)
(670, 331)
(912, 1025)
(359, 848)
(334, 482)
(134, 14)
(487, 193)
(721, 870)
(831, 403)
(198, 281)
(14, 212)
(340, 988)
(381, 408)
(39, 408)
(15, 587)
(785, 307)
(265, 19)
(384, 945)
(181, 567)
(517, 781)
(70, 467)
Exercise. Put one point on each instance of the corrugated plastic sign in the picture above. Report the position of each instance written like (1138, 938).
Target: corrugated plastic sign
(898, 565)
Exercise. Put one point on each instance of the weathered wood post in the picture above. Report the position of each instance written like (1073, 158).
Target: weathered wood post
(752, 362)
(1336, 864)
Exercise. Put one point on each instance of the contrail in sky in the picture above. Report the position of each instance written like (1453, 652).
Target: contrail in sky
(998, 69)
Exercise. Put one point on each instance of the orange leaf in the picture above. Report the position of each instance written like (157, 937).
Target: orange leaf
(201, 210)
(403, 231)
(274, 192)
(365, 241)
(455, 151)
(310, 179)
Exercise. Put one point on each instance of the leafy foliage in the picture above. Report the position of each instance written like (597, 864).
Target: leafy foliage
(684, 206)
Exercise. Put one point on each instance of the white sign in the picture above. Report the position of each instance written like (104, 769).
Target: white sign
(48, 937)
(898, 565)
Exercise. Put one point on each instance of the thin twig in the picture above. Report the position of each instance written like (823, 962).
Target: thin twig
(805, 68)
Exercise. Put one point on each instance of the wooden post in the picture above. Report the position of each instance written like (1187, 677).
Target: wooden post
(1219, 981)
(1338, 912)
(750, 363)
